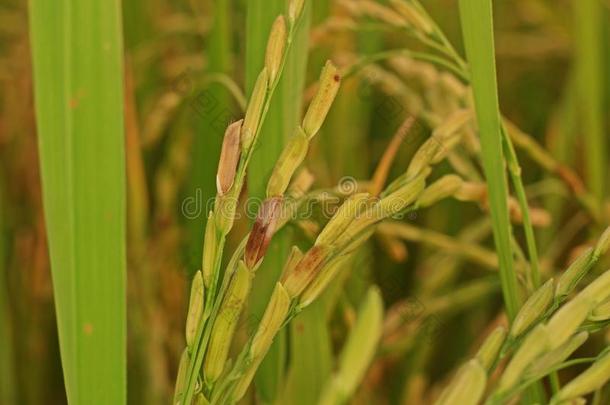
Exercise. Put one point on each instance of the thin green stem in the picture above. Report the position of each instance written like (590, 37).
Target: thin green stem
(423, 56)
(514, 170)
(555, 383)
(509, 153)
(526, 384)
(228, 83)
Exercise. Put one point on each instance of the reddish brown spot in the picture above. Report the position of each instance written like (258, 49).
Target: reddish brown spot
(263, 230)
(312, 260)
(337, 78)
(76, 98)
(88, 328)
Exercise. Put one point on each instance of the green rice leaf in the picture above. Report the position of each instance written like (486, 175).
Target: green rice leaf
(477, 29)
(78, 83)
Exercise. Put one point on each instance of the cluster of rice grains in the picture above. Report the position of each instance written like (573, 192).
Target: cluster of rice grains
(549, 327)
(547, 330)
(215, 307)
(215, 303)
(436, 85)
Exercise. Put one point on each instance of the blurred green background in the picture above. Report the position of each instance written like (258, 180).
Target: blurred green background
(187, 67)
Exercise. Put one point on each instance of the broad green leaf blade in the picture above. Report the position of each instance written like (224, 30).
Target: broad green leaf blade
(477, 29)
(77, 58)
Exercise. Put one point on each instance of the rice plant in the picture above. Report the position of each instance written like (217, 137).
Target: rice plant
(304, 202)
